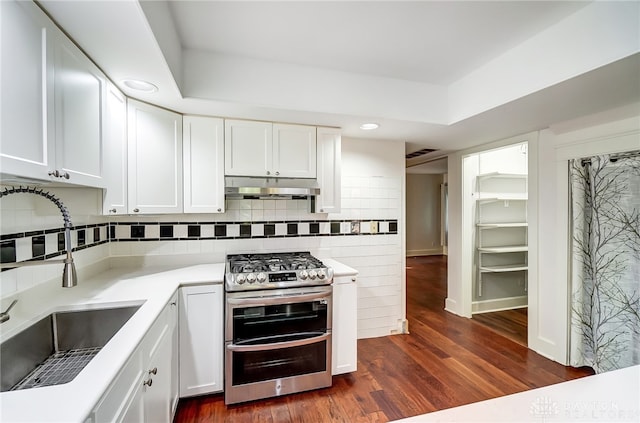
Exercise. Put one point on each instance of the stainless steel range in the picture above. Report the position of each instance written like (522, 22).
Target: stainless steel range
(275, 270)
(277, 325)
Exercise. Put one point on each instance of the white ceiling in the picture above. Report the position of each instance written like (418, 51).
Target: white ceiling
(432, 42)
(438, 74)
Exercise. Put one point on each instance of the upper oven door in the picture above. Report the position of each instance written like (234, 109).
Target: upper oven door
(276, 316)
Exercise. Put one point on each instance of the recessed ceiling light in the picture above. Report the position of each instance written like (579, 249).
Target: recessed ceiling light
(369, 126)
(139, 85)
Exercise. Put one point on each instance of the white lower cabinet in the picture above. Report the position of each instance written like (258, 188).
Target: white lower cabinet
(344, 332)
(201, 339)
(143, 391)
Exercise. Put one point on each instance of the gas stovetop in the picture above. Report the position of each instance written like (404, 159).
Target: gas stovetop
(275, 270)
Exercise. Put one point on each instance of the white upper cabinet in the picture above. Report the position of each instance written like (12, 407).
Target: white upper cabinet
(26, 92)
(264, 149)
(155, 159)
(52, 101)
(115, 153)
(203, 158)
(329, 168)
(79, 100)
(248, 148)
(294, 151)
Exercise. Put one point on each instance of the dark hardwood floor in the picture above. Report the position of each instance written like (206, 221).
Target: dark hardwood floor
(444, 361)
(511, 324)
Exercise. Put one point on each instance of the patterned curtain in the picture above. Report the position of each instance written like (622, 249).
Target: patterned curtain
(605, 268)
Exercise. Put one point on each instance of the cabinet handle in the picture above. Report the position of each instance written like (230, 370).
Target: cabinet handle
(148, 382)
(112, 211)
(54, 173)
(136, 210)
(353, 279)
(153, 371)
(219, 210)
(173, 303)
(277, 173)
(268, 173)
(65, 175)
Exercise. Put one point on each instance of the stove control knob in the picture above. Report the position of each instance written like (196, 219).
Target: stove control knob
(304, 275)
(251, 278)
(312, 274)
(321, 274)
(261, 277)
(240, 279)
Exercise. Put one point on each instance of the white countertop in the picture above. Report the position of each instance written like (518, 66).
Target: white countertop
(607, 397)
(72, 402)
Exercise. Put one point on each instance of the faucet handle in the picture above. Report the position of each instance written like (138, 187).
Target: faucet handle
(4, 316)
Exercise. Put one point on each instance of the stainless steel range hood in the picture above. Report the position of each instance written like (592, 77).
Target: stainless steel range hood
(270, 188)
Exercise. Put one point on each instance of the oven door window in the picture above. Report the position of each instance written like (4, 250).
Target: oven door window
(250, 323)
(257, 366)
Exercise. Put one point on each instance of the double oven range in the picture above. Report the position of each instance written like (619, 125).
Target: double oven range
(278, 311)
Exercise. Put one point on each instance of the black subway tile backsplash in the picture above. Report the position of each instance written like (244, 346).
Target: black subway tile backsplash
(82, 237)
(8, 251)
(269, 229)
(220, 230)
(193, 231)
(137, 231)
(61, 243)
(37, 246)
(166, 231)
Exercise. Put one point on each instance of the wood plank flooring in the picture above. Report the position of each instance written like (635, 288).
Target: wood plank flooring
(511, 324)
(444, 361)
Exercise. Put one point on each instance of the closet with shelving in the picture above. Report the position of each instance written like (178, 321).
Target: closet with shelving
(501, 247)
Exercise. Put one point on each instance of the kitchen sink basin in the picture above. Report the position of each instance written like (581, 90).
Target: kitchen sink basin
(56, 348)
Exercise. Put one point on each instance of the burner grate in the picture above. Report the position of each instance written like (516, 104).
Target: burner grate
(61, 367)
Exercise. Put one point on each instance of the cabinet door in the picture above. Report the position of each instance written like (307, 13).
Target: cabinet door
(294, 151)
(201, 340)
(159, 356)
(248, 148)
(329, 168)
(115, 157)
(157, 383)
(79, 91)
(155, 159)
(203, 154)
(26, 91)
(344, 357)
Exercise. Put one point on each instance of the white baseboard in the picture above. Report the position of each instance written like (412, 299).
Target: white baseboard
(500, 304)
(425, 252)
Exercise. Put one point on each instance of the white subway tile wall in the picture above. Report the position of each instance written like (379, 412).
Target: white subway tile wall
(365, 235)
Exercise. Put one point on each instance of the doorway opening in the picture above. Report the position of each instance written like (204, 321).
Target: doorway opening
(498, 181)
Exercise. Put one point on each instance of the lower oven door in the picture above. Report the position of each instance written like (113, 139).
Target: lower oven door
(277, 343)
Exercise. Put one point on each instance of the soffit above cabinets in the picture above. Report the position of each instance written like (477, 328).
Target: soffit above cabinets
(444, 75)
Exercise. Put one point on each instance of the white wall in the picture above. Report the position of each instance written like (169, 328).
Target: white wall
(423, 214)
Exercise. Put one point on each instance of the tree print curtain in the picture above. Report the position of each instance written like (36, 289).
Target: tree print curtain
(605, 268)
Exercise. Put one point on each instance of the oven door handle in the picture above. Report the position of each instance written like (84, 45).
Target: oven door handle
(278, 345)
(278, 299)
